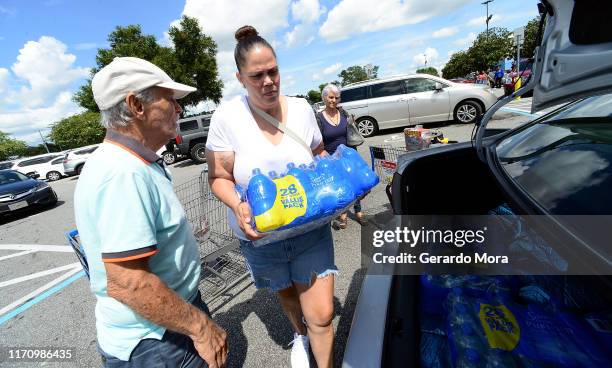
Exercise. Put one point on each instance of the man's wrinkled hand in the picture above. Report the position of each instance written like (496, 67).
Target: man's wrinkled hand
(212, 345)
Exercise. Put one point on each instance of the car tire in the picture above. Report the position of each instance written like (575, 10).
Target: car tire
(467, 112)
(367, 126)
(169, 157)
(79, 169)
(54, 175)
(198, 153)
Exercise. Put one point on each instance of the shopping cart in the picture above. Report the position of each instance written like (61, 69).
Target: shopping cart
(73, 240)
(223, 265)
(384, 163)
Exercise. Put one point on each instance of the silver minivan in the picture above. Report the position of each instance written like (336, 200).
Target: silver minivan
(413, 99)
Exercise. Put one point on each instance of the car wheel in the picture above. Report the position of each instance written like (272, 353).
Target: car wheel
(79, 169)
(53, 176)
(367, 126)
(169, 157)
(198, 153)
(467, 112)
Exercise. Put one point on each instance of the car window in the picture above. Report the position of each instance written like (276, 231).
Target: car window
(205, 122)
(415, 85)
(57, 161)
(565, 162)
(188, 125)
(85, 151)
(387, 89)
(34, 161)
(5, 165)
(353, 94)
(7, 177)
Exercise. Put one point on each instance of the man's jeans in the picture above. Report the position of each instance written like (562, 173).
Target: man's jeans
(173, 350)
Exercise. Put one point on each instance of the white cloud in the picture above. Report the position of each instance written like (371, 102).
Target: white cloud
(445, 32)
(302, 34)
(25, 123)
(46, 67)
(332, 69)
(4, 74)
(307, 11)
(430, 55)
(221, 19)
(316, 77)
(465, 41)
(481, 21)
(359, 16)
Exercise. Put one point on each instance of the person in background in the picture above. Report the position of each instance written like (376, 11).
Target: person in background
(143, 258)
(508, 63)
(333, 122)
(301, 268)
(499, 76)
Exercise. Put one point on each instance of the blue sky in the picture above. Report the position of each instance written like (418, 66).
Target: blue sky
(48, 46)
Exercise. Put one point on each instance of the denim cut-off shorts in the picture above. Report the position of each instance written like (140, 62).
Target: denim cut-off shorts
(278, 265)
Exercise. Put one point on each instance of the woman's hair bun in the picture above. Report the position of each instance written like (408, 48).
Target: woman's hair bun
(245, 32)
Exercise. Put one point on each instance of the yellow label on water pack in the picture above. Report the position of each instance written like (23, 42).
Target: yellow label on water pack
(500, 325)
(289, 204)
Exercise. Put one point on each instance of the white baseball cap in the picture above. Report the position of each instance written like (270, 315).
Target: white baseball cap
(129, 74)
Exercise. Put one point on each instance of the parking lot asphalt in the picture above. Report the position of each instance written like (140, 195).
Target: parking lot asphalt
(34, 254)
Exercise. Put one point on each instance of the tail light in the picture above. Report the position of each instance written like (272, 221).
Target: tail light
(179, 140)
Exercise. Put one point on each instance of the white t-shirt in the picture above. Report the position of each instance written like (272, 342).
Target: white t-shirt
(233, 128)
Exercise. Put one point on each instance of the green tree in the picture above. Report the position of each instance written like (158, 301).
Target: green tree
(78, 130)
(356, 73)
(195, 60)
(531, 32)
(191, 60)
(485, 53)
(429, 70)
(11, 147)
(313, 96)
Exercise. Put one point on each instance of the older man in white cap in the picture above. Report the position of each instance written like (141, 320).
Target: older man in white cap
(143, 258)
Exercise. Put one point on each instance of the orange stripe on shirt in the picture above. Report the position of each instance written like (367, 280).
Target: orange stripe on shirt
(127, 149)
(130, 258)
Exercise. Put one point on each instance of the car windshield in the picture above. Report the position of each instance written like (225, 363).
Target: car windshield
(564, 162)
(8, 177)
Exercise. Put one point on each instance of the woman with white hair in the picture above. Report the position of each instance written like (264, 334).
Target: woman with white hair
(333, 122)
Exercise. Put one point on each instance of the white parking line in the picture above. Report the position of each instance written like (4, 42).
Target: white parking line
(17, 254)
(40, 290)
(39, 274)
(37, 247)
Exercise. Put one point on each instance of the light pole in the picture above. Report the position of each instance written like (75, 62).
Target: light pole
(488, 16)
(425, 56)
(43, 139)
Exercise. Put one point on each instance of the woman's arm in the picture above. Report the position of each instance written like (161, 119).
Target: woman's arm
(221, 180)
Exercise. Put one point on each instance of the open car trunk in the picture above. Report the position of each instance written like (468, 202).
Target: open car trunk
(449, 181)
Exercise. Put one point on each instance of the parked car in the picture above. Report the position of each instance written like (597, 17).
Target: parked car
(169, 153)
(75, 160)
(18, 191)
(554, 166)
(192, 135)
(413, 99)
(6, 165)
(40, 165)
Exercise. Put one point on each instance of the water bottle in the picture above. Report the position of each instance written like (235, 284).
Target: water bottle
(336, 184)
(304, 178)
(261, 194)
(358, 170)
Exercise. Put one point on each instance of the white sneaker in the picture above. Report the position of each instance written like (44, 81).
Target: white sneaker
(299, 351)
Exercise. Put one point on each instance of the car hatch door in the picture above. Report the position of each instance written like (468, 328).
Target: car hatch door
(574, 59)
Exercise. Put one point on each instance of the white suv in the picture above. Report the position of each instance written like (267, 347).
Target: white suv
(75, 159)
(413, 99)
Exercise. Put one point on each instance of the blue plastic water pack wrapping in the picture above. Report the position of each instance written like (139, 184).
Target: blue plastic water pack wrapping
(306, 197)
(494, 332)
